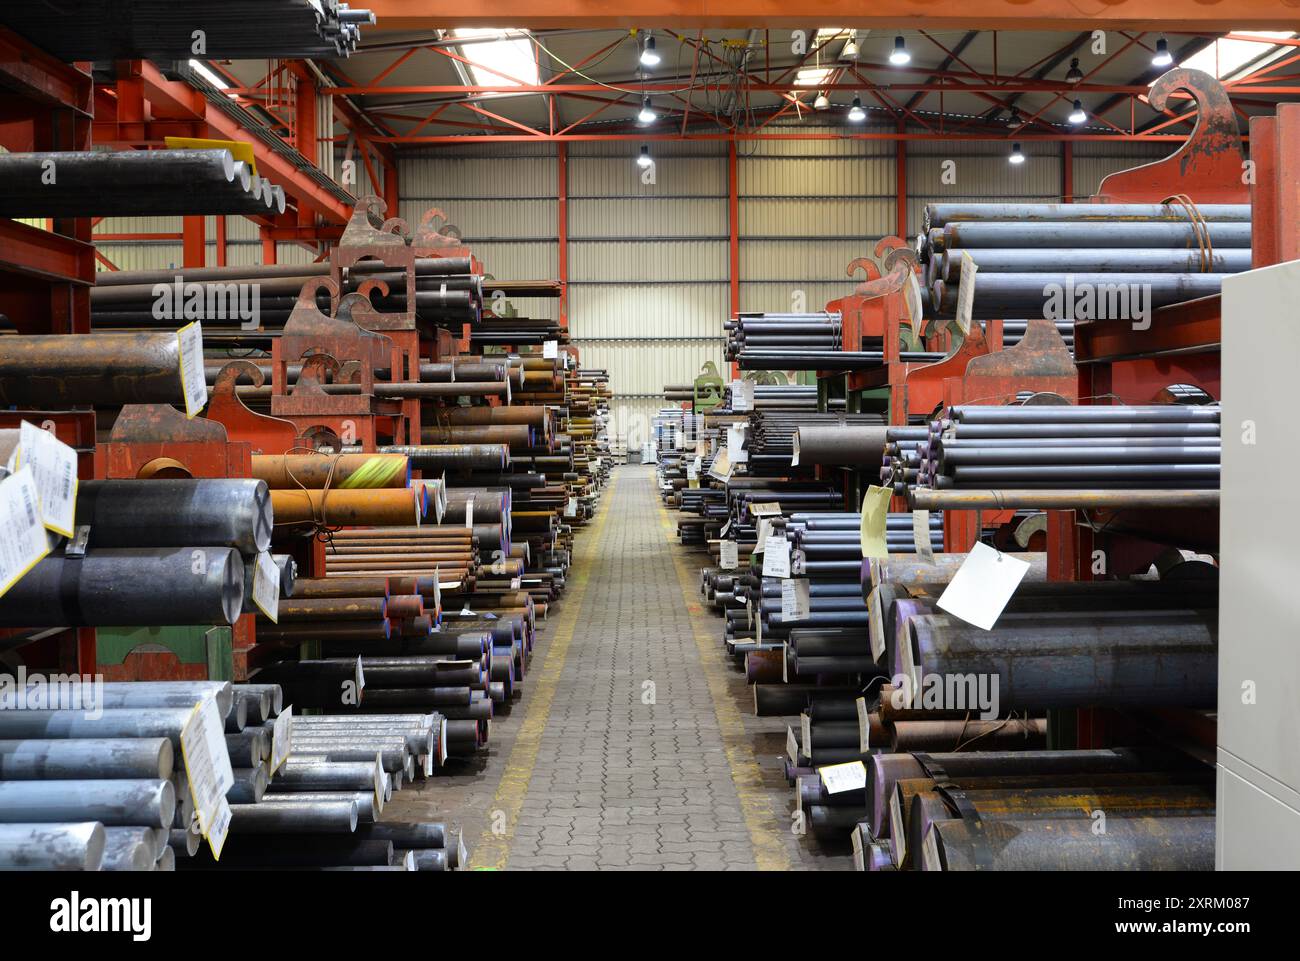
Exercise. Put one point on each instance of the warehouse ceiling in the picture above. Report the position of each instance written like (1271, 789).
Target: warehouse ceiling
(422, 88)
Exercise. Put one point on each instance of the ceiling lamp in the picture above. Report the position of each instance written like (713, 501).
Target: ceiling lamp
(649, 55)
(899, 55)
(850, 51)
(822, 102)
(1077, 116)
(1075, 75)
(647, 114)
(856, 113)
(1163, 57)
(643, 158)
(1014, 120)
(1016, 156)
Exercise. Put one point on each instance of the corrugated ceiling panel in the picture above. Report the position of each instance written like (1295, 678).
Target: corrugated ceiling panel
(661, 310)
(648, 217)
(583, 149)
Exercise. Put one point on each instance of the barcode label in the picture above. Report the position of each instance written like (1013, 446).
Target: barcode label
(54, 467)
(193, 382)
(23, 542)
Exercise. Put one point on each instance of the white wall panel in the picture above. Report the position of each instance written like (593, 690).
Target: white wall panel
(661, 310)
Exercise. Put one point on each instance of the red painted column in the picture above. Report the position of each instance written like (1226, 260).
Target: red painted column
(562, 226)
(192, 242)
(221, 241)
(268, 246)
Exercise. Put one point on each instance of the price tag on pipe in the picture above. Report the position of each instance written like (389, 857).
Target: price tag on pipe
(766, 509)
(966, 292)
(469, 513)
(795, 604)
(982, 586)
(721, 467)
(207, 765)
(194, 383)
(729, 558)
(921, 536)
(839, 778)
(550, 349)
(266, 586)
(875, 517)
(282, 738)
(54, 468)
(742, 395)
(776, 556)
(571, 507)
(23, 542)
(764, 529)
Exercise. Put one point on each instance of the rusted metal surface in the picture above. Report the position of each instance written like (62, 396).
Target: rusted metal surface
(99, 369)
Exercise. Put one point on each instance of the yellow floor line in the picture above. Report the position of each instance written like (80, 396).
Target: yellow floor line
(755, 800)
(493, 849)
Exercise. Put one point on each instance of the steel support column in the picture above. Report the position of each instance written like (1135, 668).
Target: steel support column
(900, 179)
(193, 242)
(562, 226)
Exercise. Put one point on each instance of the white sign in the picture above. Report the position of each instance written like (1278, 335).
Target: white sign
(742, 395)
(54, 468)
(721, 466)
(839, 778)
(736, 444)
(282, 738)
(550, 349)
(266, 586)
(795, 605)
(194, 384)
(469, 512)
(207, 763)
(776, 556)
(698, 463)
(571, 507)
(966, 292)
(730, 558)
(23, 543)
(912, 297)
(219, 828)
(765, 509)
(764, 529)
(982, 586)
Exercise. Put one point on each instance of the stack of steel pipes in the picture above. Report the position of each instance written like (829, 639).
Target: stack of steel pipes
(494, 331)
(1027, 809)
(761, 333)
(447, 292)
(160, 552)
(774, 443)
(96, 781)
(1013, 332)
(1083, 258)
(165, 29)
(1163, 447)
(900, 460)
(132, 183)
(442, 381)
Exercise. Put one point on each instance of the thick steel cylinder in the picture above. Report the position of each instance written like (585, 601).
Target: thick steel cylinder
(77, 846)
(85, 759)
(207, 512)
(106, 369)
(145, 802)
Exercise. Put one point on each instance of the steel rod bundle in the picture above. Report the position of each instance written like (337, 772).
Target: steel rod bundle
(130, 183)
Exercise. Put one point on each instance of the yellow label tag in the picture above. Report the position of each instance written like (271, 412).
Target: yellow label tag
(875, 513)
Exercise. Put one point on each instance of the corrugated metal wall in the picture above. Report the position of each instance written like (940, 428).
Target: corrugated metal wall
(648, 262)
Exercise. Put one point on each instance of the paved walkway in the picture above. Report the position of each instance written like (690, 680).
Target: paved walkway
(634, 747)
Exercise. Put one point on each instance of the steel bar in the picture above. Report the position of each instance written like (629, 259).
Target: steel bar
(86, 759)
(1092, 260)
(339, 508)
(148, 802)
(76, 846)
(132, 588)
(220, 512)
(941, 214)
(97, 368)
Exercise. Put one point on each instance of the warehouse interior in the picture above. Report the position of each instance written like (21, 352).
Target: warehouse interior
(648, 438)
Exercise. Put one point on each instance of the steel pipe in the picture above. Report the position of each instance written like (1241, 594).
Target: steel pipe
(182, 512)
(77, 846)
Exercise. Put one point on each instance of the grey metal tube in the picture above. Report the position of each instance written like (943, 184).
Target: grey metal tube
(146, 694)
(108, 369)
(150, 803)
(127, 849)
(112, 723)
(205, 512)
(86, 759)
(368, 809)
(1092, 234)
(849, 445)
(289, 817)
(310, 774)
(1115, 294)
(180, 839)
(1102, 260)
(144, 587)
(941, 214)
(77, 846)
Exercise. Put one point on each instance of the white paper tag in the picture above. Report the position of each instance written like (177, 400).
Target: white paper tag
(193, 382)
(725, 527)
(730, 556)
(742, 395)
(23, 542)
(550, 349)
(207, 762)
(912, 297)
(282, 738)
(795, 604)
(469, 512)
(766, 509)
(266, 586)
(721, 467)
(839, 778)
(697, 464)
(692, 472)
(571, 507)
(776, 557)
(764, 530)
(54, 467)
(219, 828)
(921, 536)
(966, 292)
(736, 444)
(982, 586)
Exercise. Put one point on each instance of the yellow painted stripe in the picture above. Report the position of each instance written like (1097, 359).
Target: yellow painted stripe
(493, 850)
(375, 472)
(755, 798)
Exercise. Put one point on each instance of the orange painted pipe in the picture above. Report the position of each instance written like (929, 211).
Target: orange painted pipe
(339, 508)
(340, 471)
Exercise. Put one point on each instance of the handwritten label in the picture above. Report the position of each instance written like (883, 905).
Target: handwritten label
(839, 778)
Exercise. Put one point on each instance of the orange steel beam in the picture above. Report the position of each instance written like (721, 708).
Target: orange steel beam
(715, 14)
